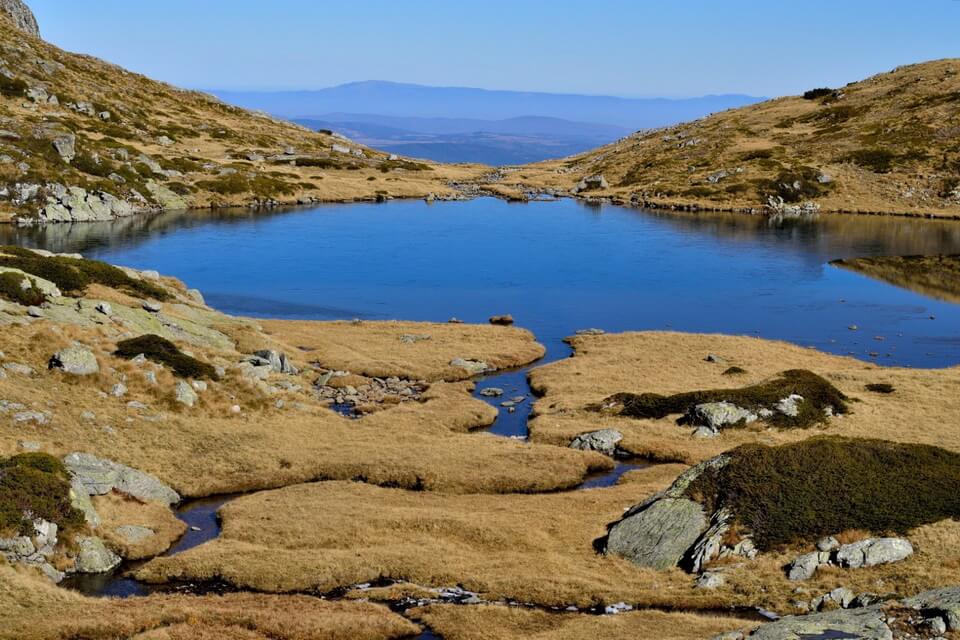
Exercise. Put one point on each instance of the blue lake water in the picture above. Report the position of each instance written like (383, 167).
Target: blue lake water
(556, 266)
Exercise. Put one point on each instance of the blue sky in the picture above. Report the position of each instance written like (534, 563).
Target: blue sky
(617, 47)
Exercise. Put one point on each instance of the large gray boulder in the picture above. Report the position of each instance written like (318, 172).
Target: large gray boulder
(278, 361)
(604, 441)
(717, 415)
(76, 360)
(185, 394)
(99, 476)
(22, 16)
(873, 551)
(660, 535)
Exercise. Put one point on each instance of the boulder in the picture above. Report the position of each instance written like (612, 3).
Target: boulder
(185, 394)
(76, 360)
(943, 602)
(66, 146)
(873, 551)
(503, 321)
(23, 18)
(94, 557)
(660, 535)
(804, 566)
(134, 533)
(98, 476)
(603, 441)
(590, 183)
(717, 415)
(279, 363)
(474, 367)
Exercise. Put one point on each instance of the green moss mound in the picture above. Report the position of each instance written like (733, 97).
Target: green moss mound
(11, 288)
(800, 492)
(35, 485)
(73, 275)
(818, 395)
(164, 352)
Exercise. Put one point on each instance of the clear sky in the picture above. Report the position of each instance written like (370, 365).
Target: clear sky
(617, 47)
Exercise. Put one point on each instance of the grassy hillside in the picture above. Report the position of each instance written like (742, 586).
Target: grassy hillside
(887, 144)
(73, 120)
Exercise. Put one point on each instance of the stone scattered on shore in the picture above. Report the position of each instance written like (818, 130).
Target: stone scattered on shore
(590, 183)
(373, 391)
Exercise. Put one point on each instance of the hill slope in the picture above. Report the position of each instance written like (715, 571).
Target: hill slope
(888, 144)
(81, 139)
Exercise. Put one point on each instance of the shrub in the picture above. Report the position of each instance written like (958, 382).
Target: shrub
(72, 275)
(735, 371)
(407, 165)
(793, 185)
(11, 288)
(12, 86)
(814, 94)
(756, 154)
(824, 485)
(87, 163)
(880, 387)
(35, 485)
(818, 394)
(876, 160)
(320, 163)
(164, 352)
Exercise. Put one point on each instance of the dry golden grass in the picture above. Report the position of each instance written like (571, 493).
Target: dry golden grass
(507, 623)
(531, 548)
(116, 510)
(208, 137)
(375, 349)
(910, 112)
(923, 408)
(31, 608)
(209, 449)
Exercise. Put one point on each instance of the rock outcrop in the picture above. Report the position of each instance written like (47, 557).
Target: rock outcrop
(22, 16)
(100, 476)
(76, 360)
(863, 553)
(603, 441)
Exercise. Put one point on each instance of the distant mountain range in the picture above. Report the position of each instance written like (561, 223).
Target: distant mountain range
(456, 124)
(498, 142)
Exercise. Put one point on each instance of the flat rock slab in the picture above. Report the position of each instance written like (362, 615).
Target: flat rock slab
(864, 624)
(100, 476)
(660, 535)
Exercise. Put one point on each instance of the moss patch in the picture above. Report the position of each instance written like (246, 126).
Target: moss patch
(164, 352)
(818, 395)
(825, 485)
(35, 485)
(11, 288)
(72, 275)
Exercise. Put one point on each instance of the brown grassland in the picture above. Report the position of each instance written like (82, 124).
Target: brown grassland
(922, 408)
(32, 608)
(116, 510)
(375, 349)
(888, 144)
(508, 623)
(533, 549)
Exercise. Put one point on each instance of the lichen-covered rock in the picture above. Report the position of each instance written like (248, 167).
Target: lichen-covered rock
(99, 476)
(278, 361)
(873, 551)
(867, 623)
(943, 602)
(603, 441)
(475, 367)
(185, 394)
(94, 557)
(717, 415)
(76, 360)
(659, 535)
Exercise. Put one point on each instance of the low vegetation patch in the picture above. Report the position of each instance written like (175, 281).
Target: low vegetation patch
(880, 387)
(818, 395)
(12, 289)
(12, 86)
(797, 493)
(814, 94)
(35, 485)
(734, 371)
(406, 165)
(876, 160)
(164, 352)
(794, 185)
(74, 275)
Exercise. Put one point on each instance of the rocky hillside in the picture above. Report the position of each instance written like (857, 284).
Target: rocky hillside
(889, 144)
(81, 139)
